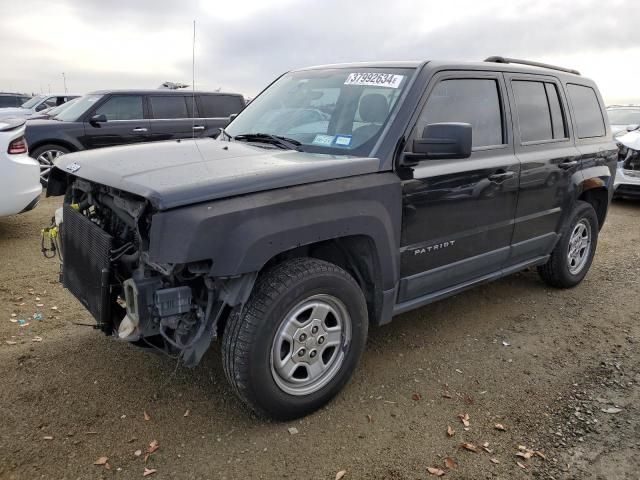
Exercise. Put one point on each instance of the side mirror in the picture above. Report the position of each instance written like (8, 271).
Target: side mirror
(232, 117)
(441, 141)
(632, 127)
(98, 119)
(41, 107)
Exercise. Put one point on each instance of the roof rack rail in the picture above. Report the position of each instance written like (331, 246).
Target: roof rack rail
(497, 59)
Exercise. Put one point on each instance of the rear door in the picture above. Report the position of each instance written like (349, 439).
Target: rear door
(126, 122)
(172, 117)
(458, 214)
(215, 109)
(548, 158)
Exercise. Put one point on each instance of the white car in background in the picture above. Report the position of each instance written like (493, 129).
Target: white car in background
(34, 105)
(20, 186)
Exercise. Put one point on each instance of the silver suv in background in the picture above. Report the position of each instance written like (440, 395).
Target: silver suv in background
(35, 104)
(623, 118)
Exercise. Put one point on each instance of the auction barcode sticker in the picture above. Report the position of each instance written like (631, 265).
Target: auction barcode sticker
(388, 80)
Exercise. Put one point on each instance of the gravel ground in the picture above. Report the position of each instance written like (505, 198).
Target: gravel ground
(558, 369)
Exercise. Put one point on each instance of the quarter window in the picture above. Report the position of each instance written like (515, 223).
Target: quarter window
(588, 116)
(169, 106)
(539, 111)
(122, 107)
(474, 101)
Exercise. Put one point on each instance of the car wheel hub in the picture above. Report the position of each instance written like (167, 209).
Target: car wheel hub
(46, 160)
(310, 345)
(579, 247)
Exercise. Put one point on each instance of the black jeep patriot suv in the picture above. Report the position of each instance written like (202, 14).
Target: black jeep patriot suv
(341, 196)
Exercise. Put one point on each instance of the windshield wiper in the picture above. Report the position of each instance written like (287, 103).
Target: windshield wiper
(277, 140)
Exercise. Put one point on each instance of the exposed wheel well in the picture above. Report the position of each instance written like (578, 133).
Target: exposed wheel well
(356, 254)
(599, 200)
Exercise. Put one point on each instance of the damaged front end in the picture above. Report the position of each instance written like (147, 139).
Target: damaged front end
(174, 308)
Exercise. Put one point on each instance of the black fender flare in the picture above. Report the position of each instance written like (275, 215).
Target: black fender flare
(240, 235)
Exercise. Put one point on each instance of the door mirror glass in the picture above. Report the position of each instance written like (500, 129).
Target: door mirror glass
(102, 118)
(442, 141)
(41, 107)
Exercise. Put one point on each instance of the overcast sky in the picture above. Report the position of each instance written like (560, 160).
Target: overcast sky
(241, 45)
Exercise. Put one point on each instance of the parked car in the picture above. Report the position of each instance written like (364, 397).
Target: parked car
(122, 117)
(623, 118)
(627, 182)
(34, 105)
(12, 100)
(287, 242)
(52, 111)
(19, 174)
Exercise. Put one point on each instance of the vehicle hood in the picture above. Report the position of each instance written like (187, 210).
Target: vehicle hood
(630, 140)
(8, 112)
(175, 173)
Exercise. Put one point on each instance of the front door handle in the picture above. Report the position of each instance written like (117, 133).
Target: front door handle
(567, 164)
(197, 128)
(139, 130)
(501, 176)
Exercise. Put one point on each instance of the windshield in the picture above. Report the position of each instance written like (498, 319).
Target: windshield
(56, 110)
(32, 102)
(338, 111)
(624, 116)
(78, 108)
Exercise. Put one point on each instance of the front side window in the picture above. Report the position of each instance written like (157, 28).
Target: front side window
(588, 116)
(339, 111)
(169, 106)
(467, 100)
(539, 111)
(122, 107)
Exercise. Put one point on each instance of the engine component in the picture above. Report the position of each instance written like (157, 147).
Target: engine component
(172, 301)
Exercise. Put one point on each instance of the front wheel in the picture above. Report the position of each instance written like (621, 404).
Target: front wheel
(298, 339)
(574, 252)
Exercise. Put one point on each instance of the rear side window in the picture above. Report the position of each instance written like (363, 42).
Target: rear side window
(469, 100)
(169, 106)
(215, 106)
(539, 111)
(588, 116)
(122, 107)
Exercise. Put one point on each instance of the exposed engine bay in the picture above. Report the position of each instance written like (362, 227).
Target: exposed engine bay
(174, 308)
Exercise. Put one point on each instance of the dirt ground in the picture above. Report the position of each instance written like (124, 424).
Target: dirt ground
(560, 370)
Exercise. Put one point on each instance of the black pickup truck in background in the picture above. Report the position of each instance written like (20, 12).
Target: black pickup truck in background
(121, 117)
(339, 197)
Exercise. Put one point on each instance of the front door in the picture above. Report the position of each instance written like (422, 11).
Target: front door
(126, 123)
(458, 214)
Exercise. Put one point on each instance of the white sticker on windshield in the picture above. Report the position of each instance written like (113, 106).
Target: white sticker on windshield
(388, 80)
(343, 140)
(324, 140)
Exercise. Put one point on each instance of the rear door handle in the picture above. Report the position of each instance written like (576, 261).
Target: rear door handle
(198, 128)
(567, 164)
(139, 130)
(501, 176)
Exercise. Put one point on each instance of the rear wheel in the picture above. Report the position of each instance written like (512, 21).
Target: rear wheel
(46, 156)
(298, 339)
(571, 259)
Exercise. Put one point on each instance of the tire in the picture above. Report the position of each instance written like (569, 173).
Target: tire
(561, 271)
(46, 155)
(279, 311)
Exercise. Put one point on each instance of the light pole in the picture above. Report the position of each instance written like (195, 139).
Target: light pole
(64, 81)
